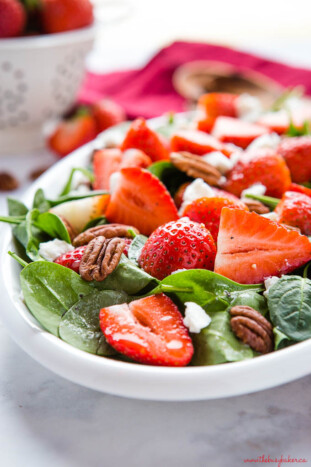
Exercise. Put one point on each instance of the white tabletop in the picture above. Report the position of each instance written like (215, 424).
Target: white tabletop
(47, 421)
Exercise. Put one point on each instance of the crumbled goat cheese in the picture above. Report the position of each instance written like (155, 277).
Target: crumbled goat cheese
(248, 107)
(114, 181)
(218, 160)
(270, 140)
(195, 317)
(197, 189)
(269, 282)
(54, 248)
(271, 215)
(257, 189)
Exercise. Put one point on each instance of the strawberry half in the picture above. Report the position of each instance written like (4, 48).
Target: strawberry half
(178, 245)
(141, 200)
(149, 331)
(252, 248)
(238, 132)
(295, 209)
(297, 155)
(72, 259)
(299, 189)
(196, 142)
(261, 166)
(140, 136)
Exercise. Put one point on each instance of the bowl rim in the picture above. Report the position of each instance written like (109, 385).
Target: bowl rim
(43, 41)
(132, 379)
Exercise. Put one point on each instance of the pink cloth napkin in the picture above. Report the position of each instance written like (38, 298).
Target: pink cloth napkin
(149, 92)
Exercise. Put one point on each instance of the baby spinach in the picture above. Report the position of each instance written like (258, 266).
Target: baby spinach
(50, 290)
(289, 302)
(127, 277)
(95, 222)
(169, 175)
(40, 202)
(252, 299)
(75, 196)
(16, 207)
(136, 247)
(68, 186)
(281, 340)
(217, 344)
(80, 324)
(51, 224)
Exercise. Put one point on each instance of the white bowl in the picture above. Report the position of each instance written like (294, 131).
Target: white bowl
(40, 78)
(129, 379)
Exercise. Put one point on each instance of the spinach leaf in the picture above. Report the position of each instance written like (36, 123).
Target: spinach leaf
(33, 236)
(40, 202)
(281, 340)
(208, 288)
(16, 207)
(127, 277)
(74, 196)
(50, 290)
(136, 247)
(80, 324)
(217, 343)
(51, 224)
(95, 222)
(289, 302)
(169, 175)
(252, 299)
(68, 186)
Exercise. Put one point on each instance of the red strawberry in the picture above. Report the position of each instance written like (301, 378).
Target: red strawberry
(275, 121)
(261, 166)
(208, 210)
(206, 124)
(181, 244)
(179, 195)
(297, 154)
(252, 248)
(140, 136)
(295, 210)
(215, 104)
(12, 18)
(72, 133)
(135, 158)
(72, 259)
(238, 132)
(107, 113)
(149, 331)
(65, 15)
(196, 142)
(105, 163)
(299, 189)
(141, 200)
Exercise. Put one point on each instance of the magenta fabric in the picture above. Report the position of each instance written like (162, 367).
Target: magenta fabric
(149, 92)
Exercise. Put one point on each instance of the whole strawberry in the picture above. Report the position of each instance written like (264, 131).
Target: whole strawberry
(297, 155)
(181, 244)
(12, 18)
(72, 259)
(65, 15)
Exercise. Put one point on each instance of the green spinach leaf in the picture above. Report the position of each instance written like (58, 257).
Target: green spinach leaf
(16, 207)
(51, 224)
(169, 175)
(281, 340)
(68, 186)
(50, 290)
(289, 303)
(40, 202)
(80, 324)
(136, 247)
(95, 222)
(252, 299)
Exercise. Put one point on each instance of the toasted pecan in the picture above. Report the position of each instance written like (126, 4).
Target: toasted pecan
(196, 167)
(107, 231)
(256, 206)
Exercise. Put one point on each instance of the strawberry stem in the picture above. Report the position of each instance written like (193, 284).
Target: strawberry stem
(18, 259)
(132, 233)
(267, 200)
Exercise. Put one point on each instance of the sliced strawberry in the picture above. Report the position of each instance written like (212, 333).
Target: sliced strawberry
(207, 211)
(299, 189)
(260, 166)
(215, 104)
(141, 200)
(206, 124)
(297, 154)
(149, 331)
(196, 142)
(140, 136)
(135, 158)
(179, 195)
(238, 132)
(105, 163)
(107, 113)
(278, 122)
(72, 259)
(295, 209)
(252, 248)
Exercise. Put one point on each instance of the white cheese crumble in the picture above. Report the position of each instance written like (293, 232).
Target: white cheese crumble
(218, 160)
(269, 140)
(54, 248)
(248, 107)
(271, 215)
(114, 181)
(197, 189)
(269, 282)
(196, 318)
(257, 189)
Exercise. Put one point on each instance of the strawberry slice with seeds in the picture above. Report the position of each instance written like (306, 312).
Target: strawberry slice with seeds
(141, 200)
(299, 189)
(238, 132)
(140, 136)
(252, 248)
(295, 209)
(215, 104)
(105, 163)
(135, 158)
(196, 142)
(72, 259)
(297, 155)
(149, 331)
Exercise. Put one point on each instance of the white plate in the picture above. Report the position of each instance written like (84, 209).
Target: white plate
(127, 379)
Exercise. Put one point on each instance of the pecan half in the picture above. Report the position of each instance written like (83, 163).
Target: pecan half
(252, 328)
(100, 258)
(256, 206)
(72, 232)
(107, 231)
(8, 182)
(196, 167)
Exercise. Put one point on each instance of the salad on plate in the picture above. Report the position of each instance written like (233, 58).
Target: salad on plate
(184, 245)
